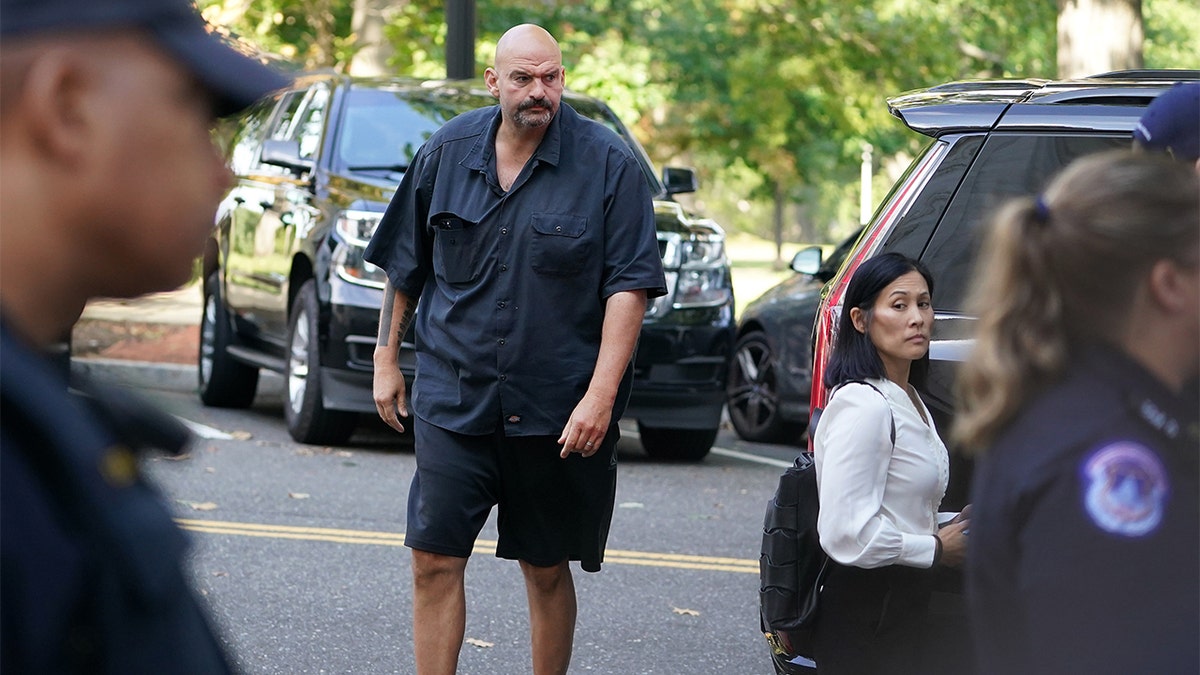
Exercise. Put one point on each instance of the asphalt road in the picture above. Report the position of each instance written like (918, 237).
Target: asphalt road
(298, 549)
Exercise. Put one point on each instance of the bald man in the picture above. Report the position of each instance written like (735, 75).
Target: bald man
(527, 234)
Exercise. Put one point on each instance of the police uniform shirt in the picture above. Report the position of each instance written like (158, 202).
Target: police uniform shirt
(91, 563)
(512, 285)
(1084, 541)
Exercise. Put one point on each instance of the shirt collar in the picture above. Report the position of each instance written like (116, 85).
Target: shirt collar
(549, 150)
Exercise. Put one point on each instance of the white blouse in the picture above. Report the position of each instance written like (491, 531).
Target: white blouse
(878, 504)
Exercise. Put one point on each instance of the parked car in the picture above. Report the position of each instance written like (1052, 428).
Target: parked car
(286, 288)
(989, 141)
(770, 374)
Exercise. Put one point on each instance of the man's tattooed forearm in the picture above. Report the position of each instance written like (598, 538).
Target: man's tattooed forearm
(406, 320)
(385, 316)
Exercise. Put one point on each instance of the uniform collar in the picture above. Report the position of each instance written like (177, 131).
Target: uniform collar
(1171, 415)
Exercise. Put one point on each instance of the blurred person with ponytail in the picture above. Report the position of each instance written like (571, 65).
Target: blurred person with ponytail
(1081, 398)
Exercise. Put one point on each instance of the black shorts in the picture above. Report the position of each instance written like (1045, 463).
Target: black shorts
(550, 509)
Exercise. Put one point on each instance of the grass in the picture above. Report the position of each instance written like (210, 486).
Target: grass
(755, 267)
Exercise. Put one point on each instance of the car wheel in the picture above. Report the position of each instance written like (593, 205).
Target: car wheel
(683, 445)
(224, 382)
(752, 393)
(308, 421)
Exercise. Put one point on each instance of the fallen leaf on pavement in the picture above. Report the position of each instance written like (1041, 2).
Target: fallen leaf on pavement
(480, 643)
(241, 435)
(685, 612)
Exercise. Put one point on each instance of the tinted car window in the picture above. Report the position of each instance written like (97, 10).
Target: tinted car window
(912, 232)
(383, 130)
(247, 139)
(1008, 165)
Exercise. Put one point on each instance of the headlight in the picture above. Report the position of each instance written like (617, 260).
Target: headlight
(701, 287)
(354, 230)
(702, 279)
(356, 227)
(701, 253)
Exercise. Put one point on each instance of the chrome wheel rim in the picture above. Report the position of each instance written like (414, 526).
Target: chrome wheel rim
(753, 395)
(297, 372)
(208, 338)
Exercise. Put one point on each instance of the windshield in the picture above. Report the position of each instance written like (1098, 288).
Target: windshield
(383, 128)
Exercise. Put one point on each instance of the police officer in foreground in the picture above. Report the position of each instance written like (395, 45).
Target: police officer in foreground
(108, 182)
(1081, 392)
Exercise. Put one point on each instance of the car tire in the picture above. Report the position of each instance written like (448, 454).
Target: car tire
(224, 382)
(752, 393)
(308, 421)
(677, 445)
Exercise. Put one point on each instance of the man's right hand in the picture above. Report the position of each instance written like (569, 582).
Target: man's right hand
(390, 398)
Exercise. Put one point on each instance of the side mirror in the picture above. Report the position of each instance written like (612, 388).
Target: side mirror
(285, 154)
(808, 260)
(679, 180)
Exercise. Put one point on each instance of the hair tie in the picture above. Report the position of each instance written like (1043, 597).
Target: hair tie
(1041, 212)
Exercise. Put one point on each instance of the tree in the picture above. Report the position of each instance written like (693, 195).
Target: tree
(373, 50)
(1098, 36)
(771, 100)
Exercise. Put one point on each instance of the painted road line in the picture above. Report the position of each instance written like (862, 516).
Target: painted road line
(747, 457)
(204, 431)
(483, 546)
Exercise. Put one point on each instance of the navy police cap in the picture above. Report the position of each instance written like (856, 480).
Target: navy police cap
(234, 79)
(1172, 122)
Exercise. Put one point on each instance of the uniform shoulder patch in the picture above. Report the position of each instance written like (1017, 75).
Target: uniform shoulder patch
(1125, 488)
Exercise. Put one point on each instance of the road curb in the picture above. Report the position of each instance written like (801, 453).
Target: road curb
(141, 374)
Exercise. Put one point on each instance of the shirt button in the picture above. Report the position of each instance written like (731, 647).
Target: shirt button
(504, 230)
(558, 228)
(504, 268)
(503, 378)
(501, 304)
(501, 341)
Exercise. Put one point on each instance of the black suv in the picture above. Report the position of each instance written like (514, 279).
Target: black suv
(990, 140)
(286, 288)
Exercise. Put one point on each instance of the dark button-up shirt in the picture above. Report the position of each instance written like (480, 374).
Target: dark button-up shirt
(1085, 540)
(512, 285)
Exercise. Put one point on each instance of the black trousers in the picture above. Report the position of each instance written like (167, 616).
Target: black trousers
(873, 621)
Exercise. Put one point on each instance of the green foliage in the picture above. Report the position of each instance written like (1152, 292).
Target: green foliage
(1172, 34)
(763, 97)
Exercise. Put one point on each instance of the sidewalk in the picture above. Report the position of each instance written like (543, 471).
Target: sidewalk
(152, 341)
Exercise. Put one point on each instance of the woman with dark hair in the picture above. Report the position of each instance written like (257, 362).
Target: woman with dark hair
(1081, 397)
(882, 471)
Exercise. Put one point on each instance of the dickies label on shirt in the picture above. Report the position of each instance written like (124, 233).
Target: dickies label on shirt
(1125, 488)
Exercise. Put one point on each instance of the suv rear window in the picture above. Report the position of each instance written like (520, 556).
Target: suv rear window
(1008, 165)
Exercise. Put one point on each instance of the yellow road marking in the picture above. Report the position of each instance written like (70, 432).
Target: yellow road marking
(368, 537)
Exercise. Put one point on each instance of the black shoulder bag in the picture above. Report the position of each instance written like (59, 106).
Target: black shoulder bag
(792, 564)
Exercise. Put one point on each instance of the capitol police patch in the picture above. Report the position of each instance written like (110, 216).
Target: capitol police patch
(1125, 489)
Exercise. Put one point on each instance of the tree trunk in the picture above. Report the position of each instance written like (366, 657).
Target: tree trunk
(373, 49)
(779, 200)
(1098, 36)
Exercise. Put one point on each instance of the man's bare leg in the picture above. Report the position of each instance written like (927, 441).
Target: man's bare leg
(439, 611)
(552, 608)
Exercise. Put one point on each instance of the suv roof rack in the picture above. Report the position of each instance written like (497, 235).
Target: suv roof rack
(1166, 75)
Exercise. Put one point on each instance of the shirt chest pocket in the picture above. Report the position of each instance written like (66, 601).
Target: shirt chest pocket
(457, 248)
(559, 247)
